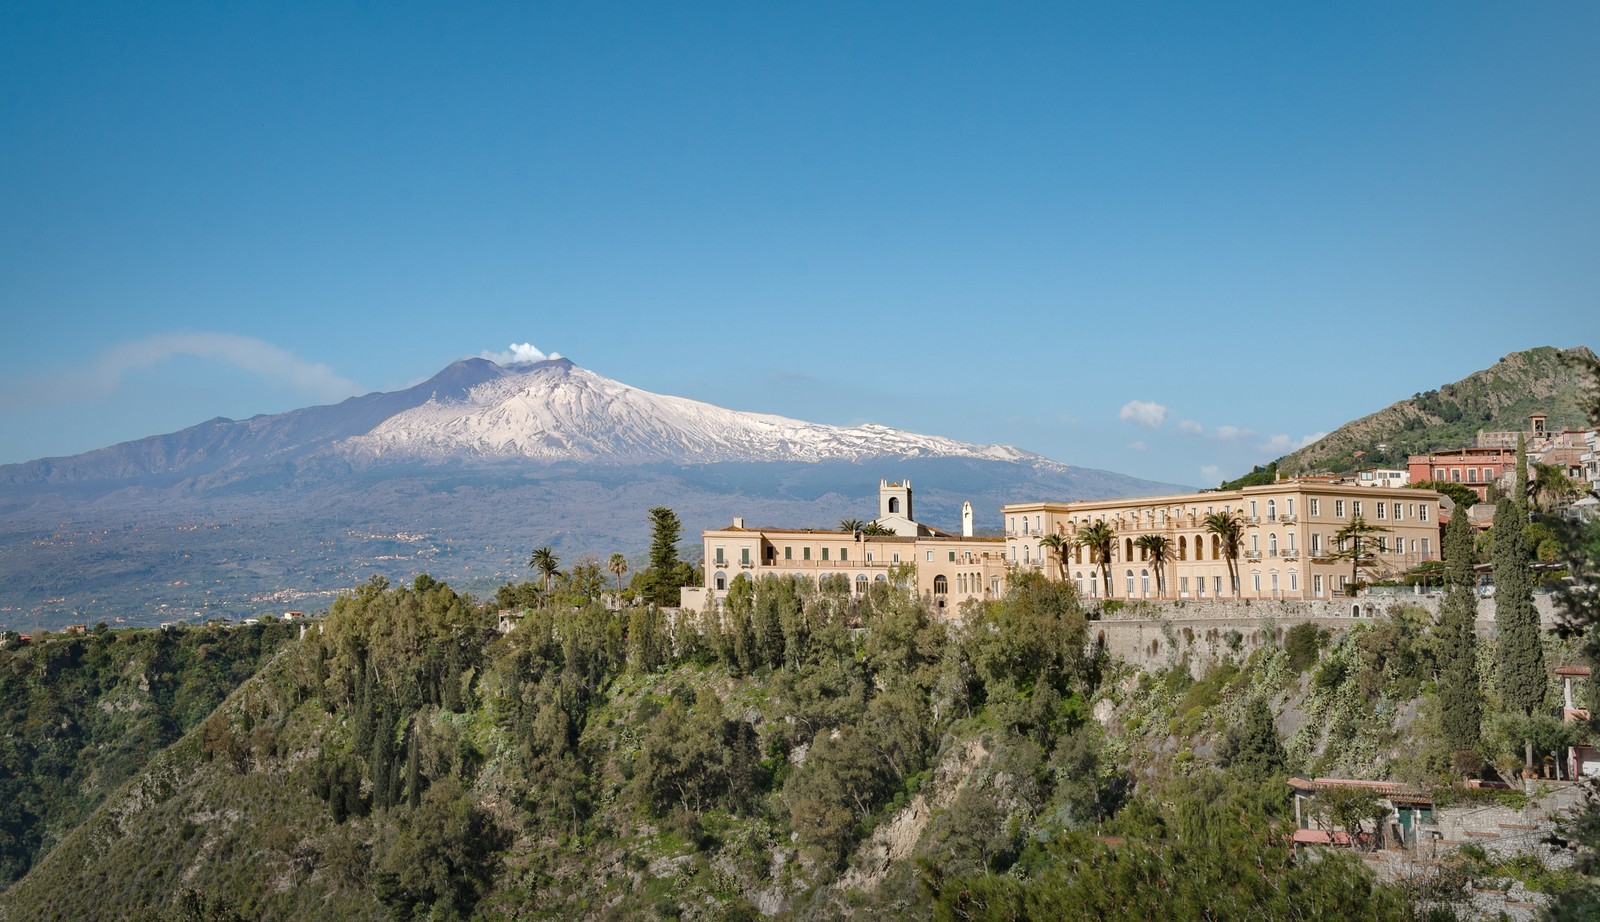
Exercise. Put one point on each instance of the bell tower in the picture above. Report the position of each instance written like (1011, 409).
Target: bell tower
(894, 500)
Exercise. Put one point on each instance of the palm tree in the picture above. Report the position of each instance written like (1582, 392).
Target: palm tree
(874, 530)
(544, 560)
(1159, 547)
(1058, 545)
(1550, 485)
(618, 564)
(1228, 527)
(1099, 538)
(850, 526)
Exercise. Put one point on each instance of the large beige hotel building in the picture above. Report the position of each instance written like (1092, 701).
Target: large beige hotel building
(946, 569)
(1286, 550)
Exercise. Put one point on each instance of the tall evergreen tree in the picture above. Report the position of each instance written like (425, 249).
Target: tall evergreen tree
(1253, 750)
(662, 579)
(1460, 691)
(1520, 659)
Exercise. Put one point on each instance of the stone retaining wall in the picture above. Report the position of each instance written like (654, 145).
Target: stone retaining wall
(1156, 634)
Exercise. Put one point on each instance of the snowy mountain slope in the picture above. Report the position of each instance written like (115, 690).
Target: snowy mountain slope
(556, 411)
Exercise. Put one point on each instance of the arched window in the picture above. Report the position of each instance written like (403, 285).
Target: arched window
(894, 505)
(861, 584)
(1077, 553)
(1094, 587)
(1272, 510)
(1216, 547)
(1127, 552)
(880, 578)
(1144, 582)
(941, 586)
(1183, 548)
(722, 581)
(1025, 553)
(1255, 579)
(1130, 584)
(1272, 544)
(1079, 577)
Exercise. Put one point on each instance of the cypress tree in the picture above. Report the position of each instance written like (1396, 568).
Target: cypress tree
(413, 768)
(1520, 659)
(1254, 751)
(1460, 693)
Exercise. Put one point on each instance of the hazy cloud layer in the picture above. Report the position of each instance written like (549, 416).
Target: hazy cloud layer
(1190, 427)
(104, 373)
(1143, 413)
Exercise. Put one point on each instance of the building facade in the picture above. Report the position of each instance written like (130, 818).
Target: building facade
(1286, 551)
(946, 569)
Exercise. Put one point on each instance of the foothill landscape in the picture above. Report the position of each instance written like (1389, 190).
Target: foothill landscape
(1005, 462)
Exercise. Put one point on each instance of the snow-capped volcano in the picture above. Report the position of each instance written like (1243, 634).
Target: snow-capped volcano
(556, 411)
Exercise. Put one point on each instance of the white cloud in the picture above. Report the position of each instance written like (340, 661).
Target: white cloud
(517, 352)
(1137, 446)
(1283, 443)
(1143, 413)
(105, 372)
(1233, 432)
(1210, 473)
(1190, 427)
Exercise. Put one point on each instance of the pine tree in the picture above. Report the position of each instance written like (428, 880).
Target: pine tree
(1460, 692)
(1520, 660)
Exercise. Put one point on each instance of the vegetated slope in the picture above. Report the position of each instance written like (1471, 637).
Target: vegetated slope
(1498, 398)
(811, 756)
(79, 715)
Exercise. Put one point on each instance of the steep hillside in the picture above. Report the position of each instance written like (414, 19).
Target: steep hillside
(1500, 397)
(79, 715)
(410, 763)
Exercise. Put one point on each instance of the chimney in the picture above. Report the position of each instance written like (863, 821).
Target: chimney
(738, 521)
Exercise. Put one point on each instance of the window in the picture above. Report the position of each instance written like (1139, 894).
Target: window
(1216, 585)
(1274, 582)
(1252, 509)
(744, 556)
(1422, 512)
(941, 586)
(896, 557)
(1294, 580)
(1272, 510)
(1394, 511)
(1144, 581)
(952, 556)
(720, 559)
(1130, 584)
(1355, 508)
(788, 553)
(1011, 524)
(1316, 542)
(824, 553)
(861, 584)
(1316, 507)
(1426, 551)
(1025, 553)
(1183, 548)
(1338, 508)
(1383, 545)
(844, 553)
(1255, 543)
(1316, 584)
(1288, 507)
(930, 557)
(1381, 507)
(722, 581)
(1183, 585)
(1472, 475)
(1344, 581)
(805, 553)
(894, 505)
(869, 557)
(1272, 544)
(1024, 524)
(1036, 526)
(1455, 475)
(1255, 580)
(1291, 543)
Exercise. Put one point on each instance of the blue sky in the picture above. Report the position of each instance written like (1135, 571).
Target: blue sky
(1168, 240)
